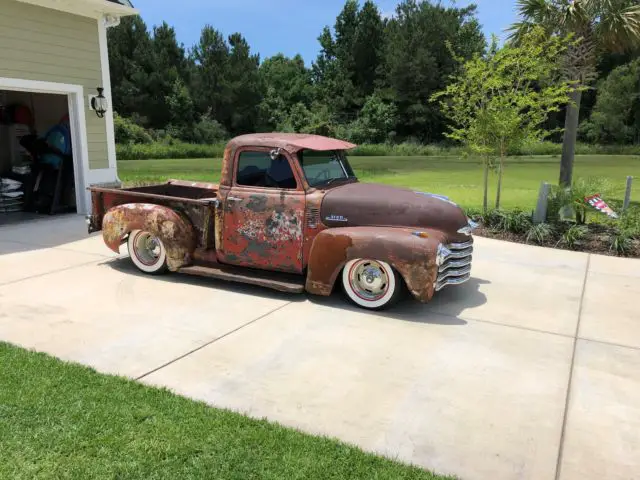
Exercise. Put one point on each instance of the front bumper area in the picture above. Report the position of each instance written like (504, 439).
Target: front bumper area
(454, 264)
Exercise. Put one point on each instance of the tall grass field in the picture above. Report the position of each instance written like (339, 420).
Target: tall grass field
(459, 178)
(175, 150)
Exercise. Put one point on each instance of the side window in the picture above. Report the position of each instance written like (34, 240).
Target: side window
(257, 169)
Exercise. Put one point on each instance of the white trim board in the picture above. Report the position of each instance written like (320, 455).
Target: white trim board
(78, 124)
(106, 85)
(85, 8)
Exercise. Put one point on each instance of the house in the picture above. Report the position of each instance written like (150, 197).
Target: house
(53, 60)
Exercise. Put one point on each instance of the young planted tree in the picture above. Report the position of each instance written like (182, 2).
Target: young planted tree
(499, 101)
(598, 26)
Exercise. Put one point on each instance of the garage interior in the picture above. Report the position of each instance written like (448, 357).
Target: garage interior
(36, 156)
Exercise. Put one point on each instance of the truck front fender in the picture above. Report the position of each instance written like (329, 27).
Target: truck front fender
(175, 231)
(412, 256)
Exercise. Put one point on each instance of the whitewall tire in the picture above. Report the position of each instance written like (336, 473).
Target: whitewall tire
(147, 252)
(371, 284)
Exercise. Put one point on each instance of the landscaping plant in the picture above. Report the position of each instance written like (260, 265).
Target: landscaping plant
(565, 203)
(621, 243)
(573, 235)
(501, 101)
(515, 221)
(539, 234)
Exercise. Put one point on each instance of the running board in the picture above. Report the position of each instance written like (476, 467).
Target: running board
(282, 282)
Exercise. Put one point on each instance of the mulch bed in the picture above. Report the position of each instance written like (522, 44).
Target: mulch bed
(596, 241)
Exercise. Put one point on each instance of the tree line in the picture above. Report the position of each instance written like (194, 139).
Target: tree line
(372, 81)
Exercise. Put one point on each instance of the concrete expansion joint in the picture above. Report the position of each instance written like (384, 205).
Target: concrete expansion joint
(65, 269)
(211, 342)
(571, 369)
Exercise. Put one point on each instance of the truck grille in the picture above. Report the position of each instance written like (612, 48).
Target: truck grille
(454, 264)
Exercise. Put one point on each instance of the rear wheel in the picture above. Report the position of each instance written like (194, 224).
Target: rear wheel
(371, 284)
(147, 252)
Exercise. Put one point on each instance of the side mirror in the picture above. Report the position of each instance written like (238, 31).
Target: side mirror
(276, 153)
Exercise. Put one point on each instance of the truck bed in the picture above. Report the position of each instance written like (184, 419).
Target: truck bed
(178, 189)
(191, 198)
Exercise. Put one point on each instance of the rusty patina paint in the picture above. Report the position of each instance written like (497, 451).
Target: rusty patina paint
(264, 229)
(219, 222)
(313, 223)
(203, 185)
(414, 258)
(290, 142)
(175, 231)
(192, 201)
(226, 175)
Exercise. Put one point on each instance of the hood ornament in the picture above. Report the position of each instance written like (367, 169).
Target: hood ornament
(469, 228)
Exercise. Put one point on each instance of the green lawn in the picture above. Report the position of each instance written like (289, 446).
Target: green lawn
(64, 421)
(461, 179)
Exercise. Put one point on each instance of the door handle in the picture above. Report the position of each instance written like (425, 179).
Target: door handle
(234, 199)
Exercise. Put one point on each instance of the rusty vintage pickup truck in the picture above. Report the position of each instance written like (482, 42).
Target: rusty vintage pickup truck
(290, 214)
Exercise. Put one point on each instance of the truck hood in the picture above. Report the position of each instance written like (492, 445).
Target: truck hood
(364, 204)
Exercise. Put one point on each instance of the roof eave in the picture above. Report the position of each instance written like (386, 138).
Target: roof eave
(86, 8)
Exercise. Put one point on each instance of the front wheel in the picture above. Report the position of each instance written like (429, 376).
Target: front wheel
(147, 252)
(371, 284)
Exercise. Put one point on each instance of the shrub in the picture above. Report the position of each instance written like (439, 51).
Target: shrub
(375, 122)
(620, 243)
(168, 150)
(570, 202)
(128, 132)
(573, 236)
(489, 219)
(515, 221)
(404, 150)
(629, 222)
(208, 131)
(539, 233)
(177, 135)
(538, 148)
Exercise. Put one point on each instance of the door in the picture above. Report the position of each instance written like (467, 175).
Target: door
(264, 213)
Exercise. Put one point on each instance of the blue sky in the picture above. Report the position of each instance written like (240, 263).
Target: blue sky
(287, 26)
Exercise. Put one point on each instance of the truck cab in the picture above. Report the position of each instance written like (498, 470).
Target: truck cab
(289, 213)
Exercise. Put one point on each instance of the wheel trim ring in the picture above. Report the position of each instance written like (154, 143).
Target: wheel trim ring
(356, 290)
(137, 254)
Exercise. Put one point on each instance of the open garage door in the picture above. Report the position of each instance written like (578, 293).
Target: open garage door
(42, 153)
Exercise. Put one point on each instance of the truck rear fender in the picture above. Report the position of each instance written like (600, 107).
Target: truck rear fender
(175, 230)
(412, 256)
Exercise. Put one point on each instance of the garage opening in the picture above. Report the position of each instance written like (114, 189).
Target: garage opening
(36, 156)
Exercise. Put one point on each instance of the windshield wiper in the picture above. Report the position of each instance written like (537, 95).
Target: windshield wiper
(329, 181)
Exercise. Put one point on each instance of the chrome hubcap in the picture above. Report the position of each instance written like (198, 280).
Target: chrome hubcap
(369, 280)
(147, 248)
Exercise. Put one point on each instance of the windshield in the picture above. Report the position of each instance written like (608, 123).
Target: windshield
(323, 168)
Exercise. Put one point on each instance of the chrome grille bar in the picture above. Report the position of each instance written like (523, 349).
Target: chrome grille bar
(456, 267)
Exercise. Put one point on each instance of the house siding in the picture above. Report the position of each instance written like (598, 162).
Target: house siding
(42, 44)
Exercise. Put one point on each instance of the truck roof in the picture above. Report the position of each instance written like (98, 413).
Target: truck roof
(291, 142)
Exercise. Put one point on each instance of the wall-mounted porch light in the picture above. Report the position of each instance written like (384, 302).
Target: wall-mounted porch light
(99, 103)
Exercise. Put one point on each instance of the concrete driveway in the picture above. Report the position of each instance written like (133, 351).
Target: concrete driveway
(531, 370)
